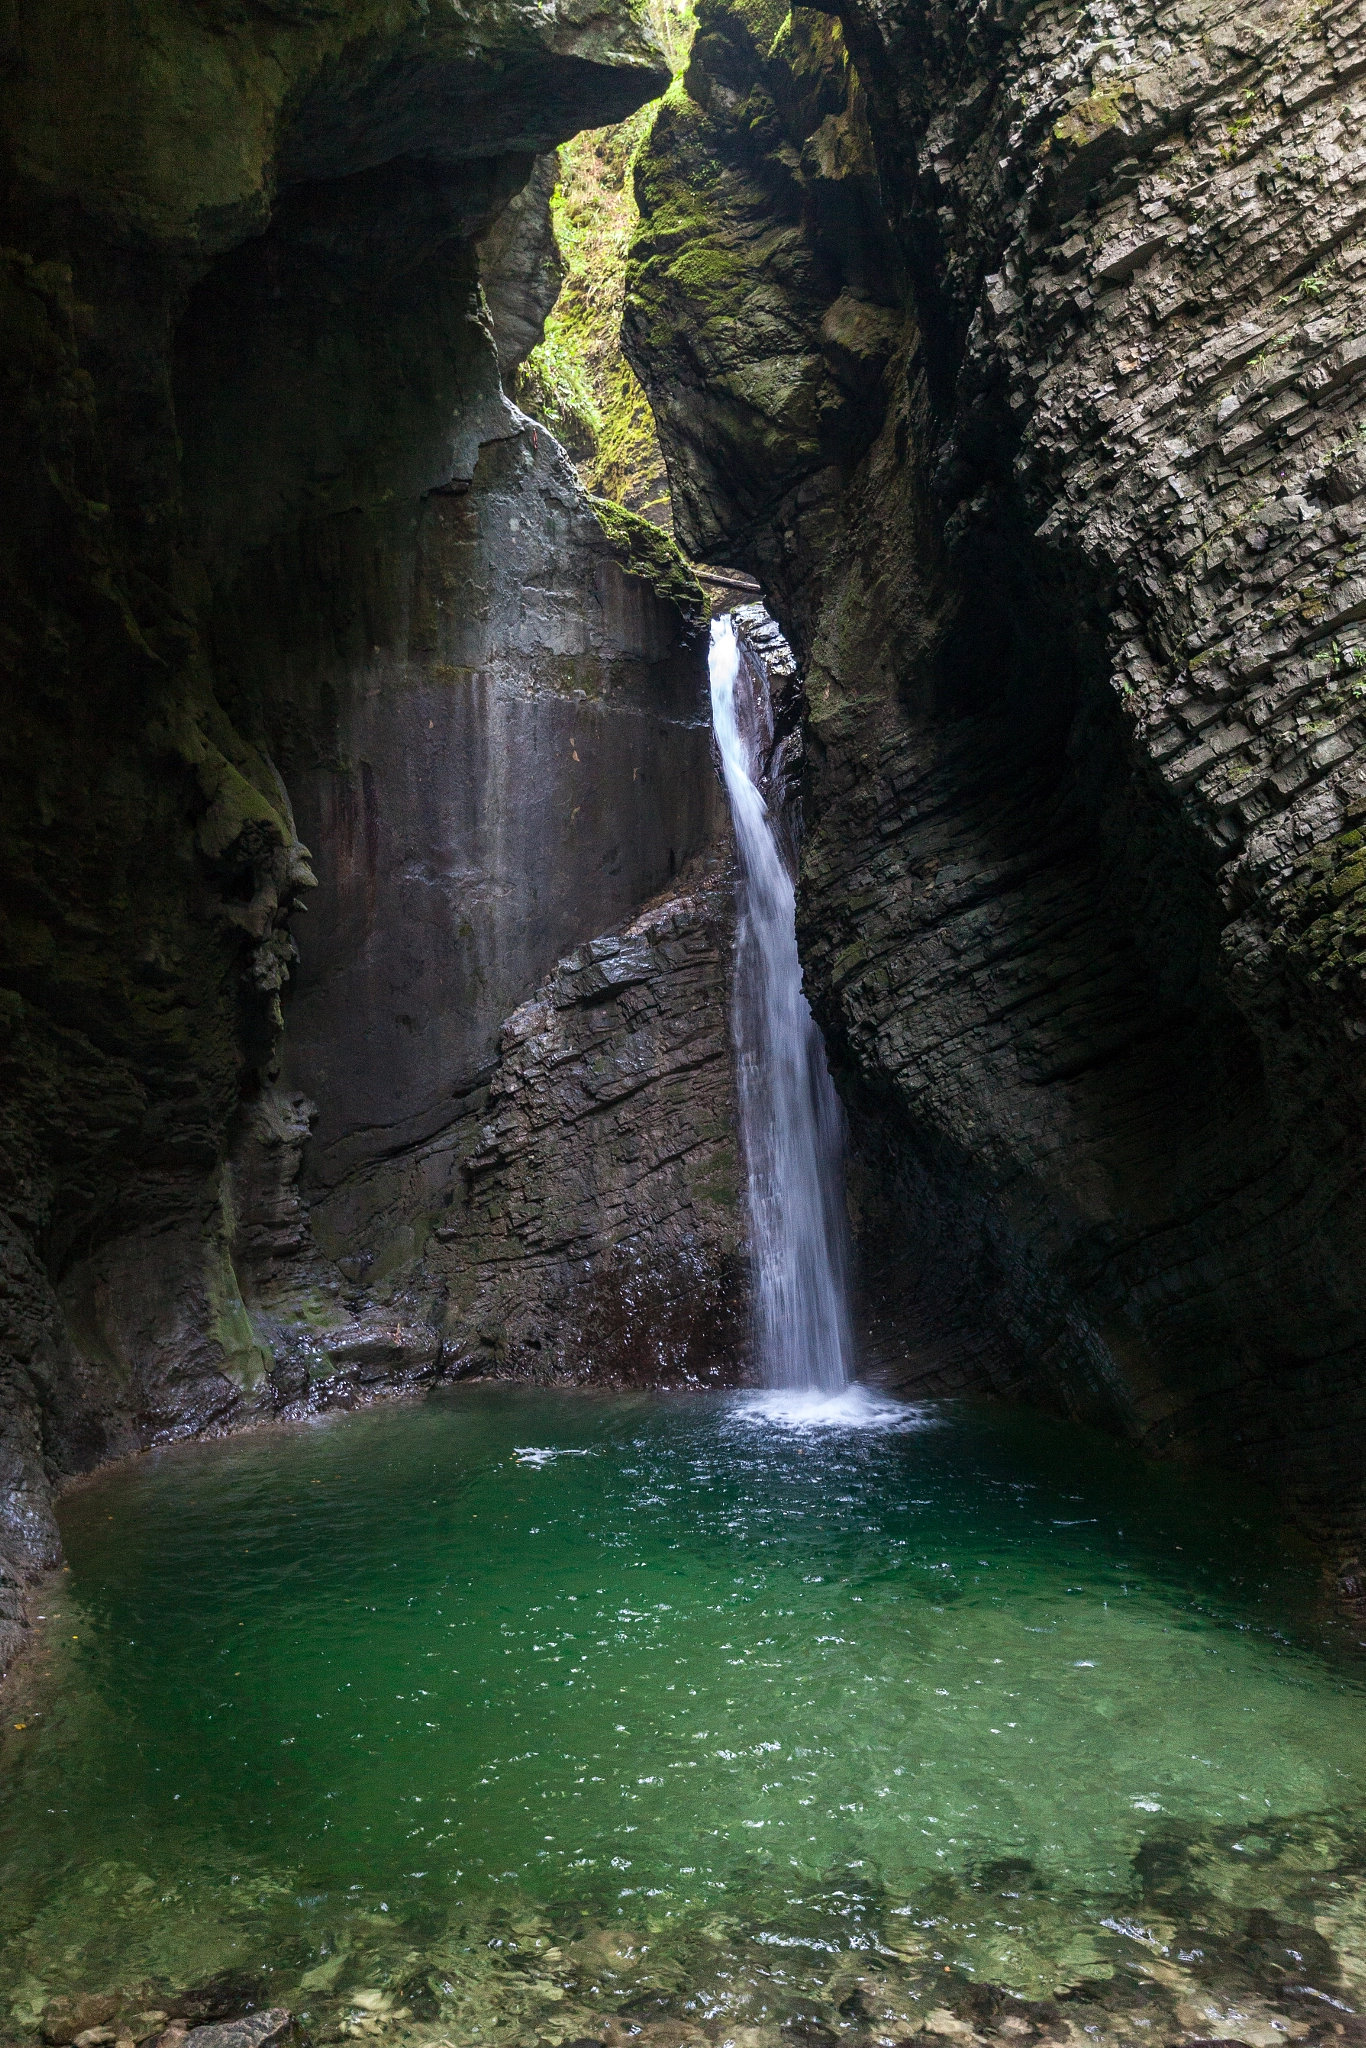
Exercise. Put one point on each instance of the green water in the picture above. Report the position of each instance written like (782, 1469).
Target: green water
(492, 1717)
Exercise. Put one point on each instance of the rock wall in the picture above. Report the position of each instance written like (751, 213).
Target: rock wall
(574, 1216)
(275, 548)
(580, 1218)
(519, 761)
(1018, 352)
(508, 754)
(601, 1231)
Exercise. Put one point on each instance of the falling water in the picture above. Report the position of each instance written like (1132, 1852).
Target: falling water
(790, 1120)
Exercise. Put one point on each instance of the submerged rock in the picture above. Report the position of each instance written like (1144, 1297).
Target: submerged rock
(65, 2018)
(272, 2029)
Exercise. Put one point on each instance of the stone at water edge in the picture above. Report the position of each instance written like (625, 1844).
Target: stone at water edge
(65, 2018)
(95, 2019)
(272, 2029)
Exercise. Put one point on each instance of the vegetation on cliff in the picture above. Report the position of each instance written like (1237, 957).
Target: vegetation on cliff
(654, 555)
(1065, 525)
(577, 380)
(209, 223)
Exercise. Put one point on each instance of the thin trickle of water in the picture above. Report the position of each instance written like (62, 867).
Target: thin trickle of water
(791, 1124)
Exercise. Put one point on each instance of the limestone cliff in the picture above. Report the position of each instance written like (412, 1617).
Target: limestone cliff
(1019, 353)
(275, 551)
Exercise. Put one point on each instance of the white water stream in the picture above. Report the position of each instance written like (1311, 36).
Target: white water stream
(791, 1125)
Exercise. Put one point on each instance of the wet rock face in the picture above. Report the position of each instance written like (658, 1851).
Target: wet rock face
(259, 477)
(505, 750)
(1068, 556)
(594, 1228)
(576, 1215)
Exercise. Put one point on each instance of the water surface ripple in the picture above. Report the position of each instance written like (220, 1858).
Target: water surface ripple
(755, 1693)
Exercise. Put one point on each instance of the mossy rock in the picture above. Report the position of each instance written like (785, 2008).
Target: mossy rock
(1092, 117)
(1322, 912)
(650, 553)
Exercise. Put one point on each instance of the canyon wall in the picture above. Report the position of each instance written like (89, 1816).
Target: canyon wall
(1018, 351)
(298, 607)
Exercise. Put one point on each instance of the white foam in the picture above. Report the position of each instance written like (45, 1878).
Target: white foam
(535, 1454)
(849, 1407)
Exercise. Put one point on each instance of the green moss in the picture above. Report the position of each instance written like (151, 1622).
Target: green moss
(627, 466)
(655, 557)
(1092, 117)
(710, 272)
(245, 1361)
(235, 806)
(577, 380)
(764, 20)
(676, 175)
(554, 385)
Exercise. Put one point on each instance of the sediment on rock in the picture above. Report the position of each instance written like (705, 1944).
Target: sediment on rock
(1020, 359)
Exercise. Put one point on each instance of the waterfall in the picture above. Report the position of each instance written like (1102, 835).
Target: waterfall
(791, 1124)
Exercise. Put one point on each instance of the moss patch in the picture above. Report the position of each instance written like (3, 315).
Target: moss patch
(577, 380)
(1323, 911)
(653, 555)
(1091, 118)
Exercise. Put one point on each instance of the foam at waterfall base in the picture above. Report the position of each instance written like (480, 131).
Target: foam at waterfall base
(847, 1407)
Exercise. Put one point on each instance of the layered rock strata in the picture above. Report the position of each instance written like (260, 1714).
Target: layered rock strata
(601, 1232)
(578, 1218)
(261, 508)
(1020, 355)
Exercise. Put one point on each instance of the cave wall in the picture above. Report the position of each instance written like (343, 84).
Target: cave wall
(577, 1216)
(520, 761)
(262, 509)
(498, 741)
(1017, 351)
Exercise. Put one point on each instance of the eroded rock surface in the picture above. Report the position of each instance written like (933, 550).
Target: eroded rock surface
(1019, 354)
(598, 1226)
(575, 1216)
(581, 1219)
(258, 471)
